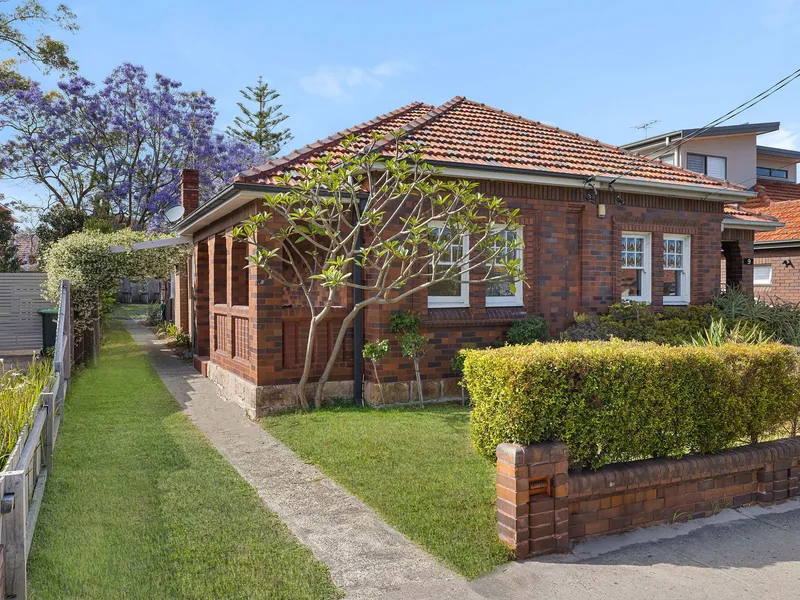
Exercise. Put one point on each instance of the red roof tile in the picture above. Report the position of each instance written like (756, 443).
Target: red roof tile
(734, 211)
(465, 133)
(774, 191)
(787, 211)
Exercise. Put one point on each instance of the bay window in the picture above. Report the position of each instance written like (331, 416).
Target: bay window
(677, 251)
(636, 274)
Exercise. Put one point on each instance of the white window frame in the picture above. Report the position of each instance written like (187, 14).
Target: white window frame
(647, 273)
(461, 301)
(686, 276)
(516, 299)
(762, 282)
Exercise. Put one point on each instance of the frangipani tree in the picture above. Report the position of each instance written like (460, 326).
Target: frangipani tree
(393, 217)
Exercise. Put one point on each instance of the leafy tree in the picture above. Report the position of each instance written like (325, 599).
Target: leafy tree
(94, 272)
(44, 51)
(413, 344)
(58, 222)
(374, 352)
(9, 262)
(258, 125)
(117, 151)
(383, 209)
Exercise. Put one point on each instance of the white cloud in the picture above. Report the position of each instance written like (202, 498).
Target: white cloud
(783, 138)
(339, 83)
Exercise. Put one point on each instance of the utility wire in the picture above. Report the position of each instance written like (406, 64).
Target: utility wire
(719, 120)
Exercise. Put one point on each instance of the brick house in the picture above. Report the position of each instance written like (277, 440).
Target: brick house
(776, 272)
(650, 232)
(733, 152)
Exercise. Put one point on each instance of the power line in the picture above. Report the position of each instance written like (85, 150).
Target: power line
(726, 117)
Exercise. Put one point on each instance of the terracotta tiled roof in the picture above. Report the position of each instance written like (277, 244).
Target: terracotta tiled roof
(774, 191)
(787, 211)
(383, 125)
(733, 211)
(465, 133)
(8, 210)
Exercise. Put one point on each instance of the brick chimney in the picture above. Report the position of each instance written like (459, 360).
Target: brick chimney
(190, 190)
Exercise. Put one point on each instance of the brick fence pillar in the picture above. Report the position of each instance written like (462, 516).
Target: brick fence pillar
(532, 498)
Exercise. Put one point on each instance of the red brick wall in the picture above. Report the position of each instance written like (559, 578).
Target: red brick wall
(571, 259)
(541, 508)
(785, 279)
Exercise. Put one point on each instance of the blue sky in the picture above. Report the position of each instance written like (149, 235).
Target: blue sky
(594, 68)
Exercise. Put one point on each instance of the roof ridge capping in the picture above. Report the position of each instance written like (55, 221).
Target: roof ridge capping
(323, 143)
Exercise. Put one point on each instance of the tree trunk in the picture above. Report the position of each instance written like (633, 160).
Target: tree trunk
(337, 348)
(378, 380)
(312, 331)
(419, 382)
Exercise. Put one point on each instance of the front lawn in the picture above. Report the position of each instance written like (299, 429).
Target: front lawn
(141, 505)
(415, 467)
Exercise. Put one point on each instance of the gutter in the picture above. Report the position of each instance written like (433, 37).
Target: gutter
(776, 244)
(734, 223)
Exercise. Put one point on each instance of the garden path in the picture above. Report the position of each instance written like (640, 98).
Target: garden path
(366, 557)
(737, 554)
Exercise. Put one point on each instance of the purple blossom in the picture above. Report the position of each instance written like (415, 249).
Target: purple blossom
(120, 147)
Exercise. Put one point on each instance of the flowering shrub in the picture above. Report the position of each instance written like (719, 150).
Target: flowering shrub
(94, 272)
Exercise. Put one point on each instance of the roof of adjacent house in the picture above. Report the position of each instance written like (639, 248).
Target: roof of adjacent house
(677, 134)
(4, 208)
(778, 152)
(465, 134)
(775, 191)
(735, 213)
(788, 212)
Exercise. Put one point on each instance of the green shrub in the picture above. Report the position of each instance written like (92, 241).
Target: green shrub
(720, 333)
(528, 331)
(675, 325)
(620, 401)
(779, 319)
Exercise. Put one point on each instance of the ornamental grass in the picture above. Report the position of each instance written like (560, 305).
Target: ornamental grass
(19, 391)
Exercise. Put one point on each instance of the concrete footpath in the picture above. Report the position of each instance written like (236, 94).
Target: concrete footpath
(746, 553)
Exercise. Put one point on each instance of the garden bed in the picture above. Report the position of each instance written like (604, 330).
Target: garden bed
(415, 467)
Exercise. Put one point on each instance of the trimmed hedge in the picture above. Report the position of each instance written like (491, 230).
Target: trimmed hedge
(620, 401)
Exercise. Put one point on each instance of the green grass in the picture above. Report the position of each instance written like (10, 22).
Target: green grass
(137, 312)
(140, 505)
(415, 467)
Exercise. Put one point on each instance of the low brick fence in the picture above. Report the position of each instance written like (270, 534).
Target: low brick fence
(542, 508)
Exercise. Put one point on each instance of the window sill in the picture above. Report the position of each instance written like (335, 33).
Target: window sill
(677, 302)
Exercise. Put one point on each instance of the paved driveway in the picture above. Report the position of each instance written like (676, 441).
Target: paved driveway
(750, 553)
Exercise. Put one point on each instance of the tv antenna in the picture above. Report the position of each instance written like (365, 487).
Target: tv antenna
(646, 125)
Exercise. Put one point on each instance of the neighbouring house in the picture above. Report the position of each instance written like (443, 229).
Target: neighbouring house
(27, 250)
(652, 232)
(733, 153)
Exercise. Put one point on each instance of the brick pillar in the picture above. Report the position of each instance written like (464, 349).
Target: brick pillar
(532, 498)
(181, 302)
(190, 190)
(201, 298)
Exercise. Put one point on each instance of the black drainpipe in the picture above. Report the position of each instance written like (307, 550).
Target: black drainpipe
(358, 328)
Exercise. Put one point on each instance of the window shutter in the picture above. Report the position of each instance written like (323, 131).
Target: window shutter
(696, 163)
(716, 167)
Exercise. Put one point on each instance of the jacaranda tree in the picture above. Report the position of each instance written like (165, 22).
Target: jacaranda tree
(117, 150)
